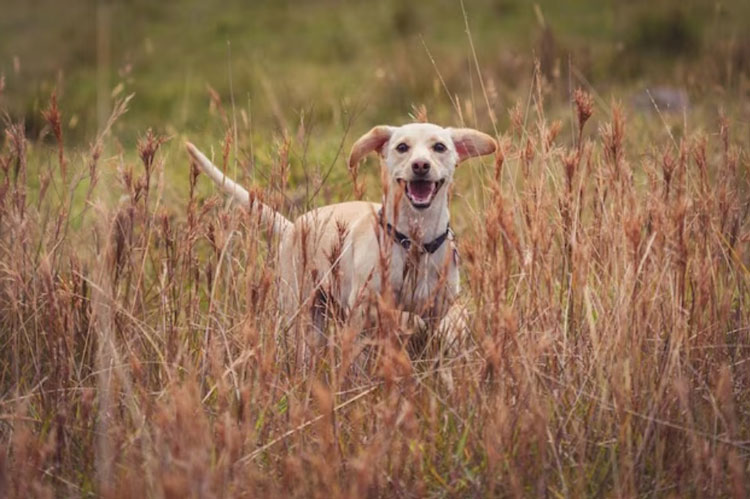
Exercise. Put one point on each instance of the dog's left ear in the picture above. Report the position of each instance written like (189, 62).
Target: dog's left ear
(471, 143)
(374, 140)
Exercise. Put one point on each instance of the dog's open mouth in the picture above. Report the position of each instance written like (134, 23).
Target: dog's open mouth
(421, 192)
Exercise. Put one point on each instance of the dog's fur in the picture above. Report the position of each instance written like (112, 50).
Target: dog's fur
(333, 253)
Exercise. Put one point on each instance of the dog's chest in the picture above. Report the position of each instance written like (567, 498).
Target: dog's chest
(423, 281)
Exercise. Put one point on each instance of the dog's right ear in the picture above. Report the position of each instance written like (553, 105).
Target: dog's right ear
(374, 140)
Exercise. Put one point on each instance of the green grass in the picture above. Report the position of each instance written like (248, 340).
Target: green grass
(346, 65)
(319, 55)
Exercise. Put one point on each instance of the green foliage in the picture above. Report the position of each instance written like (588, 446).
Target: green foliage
(322, 53)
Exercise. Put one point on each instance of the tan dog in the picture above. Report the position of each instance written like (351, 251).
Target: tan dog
(331, 256)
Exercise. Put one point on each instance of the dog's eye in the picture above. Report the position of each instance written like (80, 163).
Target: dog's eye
(439, 147)
(402, 147)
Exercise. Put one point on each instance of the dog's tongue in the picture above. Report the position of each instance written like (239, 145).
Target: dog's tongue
(421, 190)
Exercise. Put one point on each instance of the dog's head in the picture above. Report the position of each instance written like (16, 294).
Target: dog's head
(421, 157)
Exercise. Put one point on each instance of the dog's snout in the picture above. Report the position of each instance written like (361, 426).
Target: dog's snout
(420, 167)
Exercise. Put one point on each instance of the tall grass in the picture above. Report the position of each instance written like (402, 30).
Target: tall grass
(607, 347)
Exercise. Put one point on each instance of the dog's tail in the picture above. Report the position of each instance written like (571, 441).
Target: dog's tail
(269, 217)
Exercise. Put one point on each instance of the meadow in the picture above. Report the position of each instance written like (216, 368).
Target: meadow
(604, 250)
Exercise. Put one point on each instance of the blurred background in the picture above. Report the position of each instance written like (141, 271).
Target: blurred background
(310, 76)
(327, 58)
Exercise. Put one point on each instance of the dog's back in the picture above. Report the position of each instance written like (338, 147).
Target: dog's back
(316, 255)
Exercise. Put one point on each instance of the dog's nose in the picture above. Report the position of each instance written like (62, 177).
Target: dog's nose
(420, 168)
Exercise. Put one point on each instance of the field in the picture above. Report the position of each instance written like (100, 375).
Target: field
(605, 250)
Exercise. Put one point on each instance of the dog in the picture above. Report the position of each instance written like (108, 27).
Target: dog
(332, 256)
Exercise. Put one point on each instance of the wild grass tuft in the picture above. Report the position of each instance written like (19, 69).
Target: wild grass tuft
(606, 285)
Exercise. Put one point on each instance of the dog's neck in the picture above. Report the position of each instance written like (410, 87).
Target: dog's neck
(428, 223)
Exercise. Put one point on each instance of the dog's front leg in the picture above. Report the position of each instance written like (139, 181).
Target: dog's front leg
(443, 338)
(454, 329)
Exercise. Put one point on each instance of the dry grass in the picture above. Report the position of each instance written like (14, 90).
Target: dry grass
(608, 291)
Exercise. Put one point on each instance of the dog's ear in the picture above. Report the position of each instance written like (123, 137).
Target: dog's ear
(374, 140)
(471, 143)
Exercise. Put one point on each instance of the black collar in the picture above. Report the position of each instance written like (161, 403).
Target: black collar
(405, 242)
